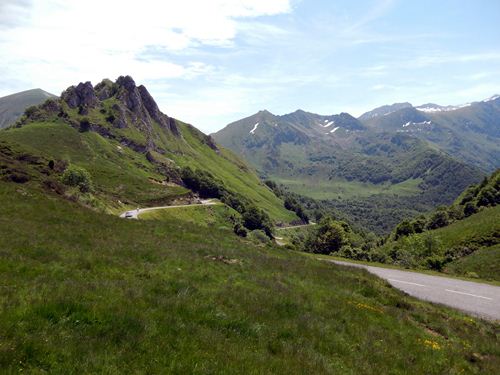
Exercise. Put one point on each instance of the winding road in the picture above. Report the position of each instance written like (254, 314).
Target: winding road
(478, 299)
(134, 214)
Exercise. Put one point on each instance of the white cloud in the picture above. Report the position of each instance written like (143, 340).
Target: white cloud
(55, 43)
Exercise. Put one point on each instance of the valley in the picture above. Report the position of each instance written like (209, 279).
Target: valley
(219, 187)
(214, 250)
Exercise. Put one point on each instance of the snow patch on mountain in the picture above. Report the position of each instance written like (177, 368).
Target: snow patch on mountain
(334, 129)
(329, 124)
(254, 128)
(440, 108)
(494, 97)
(410, 123)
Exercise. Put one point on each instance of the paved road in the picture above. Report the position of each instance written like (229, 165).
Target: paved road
(296, 226)
(136, 213)
(475, 298)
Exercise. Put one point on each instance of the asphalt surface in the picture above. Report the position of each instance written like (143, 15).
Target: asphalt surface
(134, 214)
(478, 299)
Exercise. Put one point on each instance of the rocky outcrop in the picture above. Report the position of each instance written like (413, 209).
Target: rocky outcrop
(121, 103)
(82, 96)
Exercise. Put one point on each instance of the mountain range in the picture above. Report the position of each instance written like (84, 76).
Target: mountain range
(469, 132)
(389, 163)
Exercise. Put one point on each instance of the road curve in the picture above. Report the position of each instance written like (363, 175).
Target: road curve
(478, 299)
(135, 213)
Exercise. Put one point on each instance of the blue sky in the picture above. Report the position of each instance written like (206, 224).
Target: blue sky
(211, 62)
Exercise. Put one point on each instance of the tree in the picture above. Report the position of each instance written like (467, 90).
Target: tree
(254, 218)
(469, 209)
(419, 224)
(79, 177)
(405, 228)
(438, 220)
(328, 238)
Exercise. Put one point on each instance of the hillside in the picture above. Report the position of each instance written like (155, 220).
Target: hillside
(12, 106)
(470, 132)
(134, 153)
(374, 178)
(92, 293)
(460, 239)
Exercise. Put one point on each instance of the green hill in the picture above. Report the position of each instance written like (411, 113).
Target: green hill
(133, 152)
(460, 239)
(12, 106)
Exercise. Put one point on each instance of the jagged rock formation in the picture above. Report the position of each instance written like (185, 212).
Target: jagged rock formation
(81, 96)
(124, 105)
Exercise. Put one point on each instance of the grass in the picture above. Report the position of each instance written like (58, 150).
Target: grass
(215, 216)
(483, 263)
(123, 176)
(118, 172)
(83, 292)
(477, 228)
(342, 189)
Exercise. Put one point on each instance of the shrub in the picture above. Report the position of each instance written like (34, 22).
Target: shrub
(469, 209)
(84, 125)
(254, 218)
(405, 228)
(438, 220)
(328, 238)
(419, 224)
(78, 177)
(240, 230)
(435, 262)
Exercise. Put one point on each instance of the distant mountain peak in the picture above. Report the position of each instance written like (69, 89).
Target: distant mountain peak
(492, 98)
(384, 110)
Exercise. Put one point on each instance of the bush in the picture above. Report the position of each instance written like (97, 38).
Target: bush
(84, 125)
(202, 182)
(254, 218)
(469, 209)
(328, 238)
(78, 177)
(435, 262)
(240, 230)
(405, 228)
(419, 224)
(438, 220)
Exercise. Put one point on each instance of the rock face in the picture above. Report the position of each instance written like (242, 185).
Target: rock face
(142, 105)
(81, 96)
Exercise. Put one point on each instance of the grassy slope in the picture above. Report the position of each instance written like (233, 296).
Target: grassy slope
(117, 171)
(483, 263)
(215, 216)
(93, 293)
(341, 189)
(123, 174)
(235, 174)
(474, 231)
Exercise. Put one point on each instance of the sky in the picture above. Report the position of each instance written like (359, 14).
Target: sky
(211, 62)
